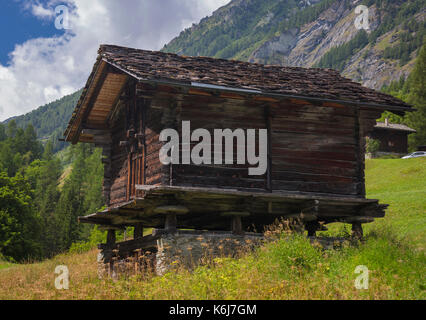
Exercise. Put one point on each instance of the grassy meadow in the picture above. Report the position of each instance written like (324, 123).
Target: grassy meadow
(287, 268)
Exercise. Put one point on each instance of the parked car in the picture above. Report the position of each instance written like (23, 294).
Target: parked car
(415, 155)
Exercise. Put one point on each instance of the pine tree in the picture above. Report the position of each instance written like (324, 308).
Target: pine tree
(2, 133)
(95, 171)
(19, 224)
(46, 197)
(31, 144)
(71, 202)
(11, 129)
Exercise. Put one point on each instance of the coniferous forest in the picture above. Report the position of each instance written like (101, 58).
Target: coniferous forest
(42, 194)
(413, 91)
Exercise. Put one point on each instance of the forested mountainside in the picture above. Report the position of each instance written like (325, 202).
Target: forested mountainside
(314, 33)
(50, 120)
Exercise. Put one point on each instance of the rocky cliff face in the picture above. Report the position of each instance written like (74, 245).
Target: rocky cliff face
(305, 46)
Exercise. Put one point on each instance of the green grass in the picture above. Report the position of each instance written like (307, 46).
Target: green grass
(401, 183)
(287, 268)
(4, 264)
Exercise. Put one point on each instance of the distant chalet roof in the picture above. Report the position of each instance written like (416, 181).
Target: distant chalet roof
(155, 67)
(394, 126)
(313, 82)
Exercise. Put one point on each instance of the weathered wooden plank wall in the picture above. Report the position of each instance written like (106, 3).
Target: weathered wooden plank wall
(218, 113)
(118, 160)
(156, 172)
(313, 148)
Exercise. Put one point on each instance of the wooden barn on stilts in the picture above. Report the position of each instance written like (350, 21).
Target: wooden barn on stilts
(315, 121)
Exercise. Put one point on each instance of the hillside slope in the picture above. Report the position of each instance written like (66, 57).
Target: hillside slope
(301, 33)
(50, 120)
(290, 268)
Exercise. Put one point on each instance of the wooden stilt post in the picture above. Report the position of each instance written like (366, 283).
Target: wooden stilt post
(110, 242)
(309, 216)
(357, 231)
(110, 238)
(171, 223)
(137, 258)
(237, 225)
(312, 228)
(236, 222)
(138, 233)
(171, 212)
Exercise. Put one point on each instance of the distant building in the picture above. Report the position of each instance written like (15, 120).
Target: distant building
(393, 137)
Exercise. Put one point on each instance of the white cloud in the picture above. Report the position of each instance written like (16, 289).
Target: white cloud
(44, 69)
(39, 11)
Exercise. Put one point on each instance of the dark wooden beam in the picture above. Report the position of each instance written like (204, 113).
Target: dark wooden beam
(268, 118)
(100, 132)
(145, 106)
(360, 155)
(130, 246)
(160, 201)
(86, 126)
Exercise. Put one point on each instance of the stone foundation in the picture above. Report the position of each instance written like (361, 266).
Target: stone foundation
(163, 251)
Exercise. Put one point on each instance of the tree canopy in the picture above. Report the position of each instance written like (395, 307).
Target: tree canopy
(39, 204)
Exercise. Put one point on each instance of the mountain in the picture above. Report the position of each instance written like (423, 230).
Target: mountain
(313, 33)
(307, 33)
(50, 120)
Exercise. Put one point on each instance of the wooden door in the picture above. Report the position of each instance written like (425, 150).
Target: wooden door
(136, 142)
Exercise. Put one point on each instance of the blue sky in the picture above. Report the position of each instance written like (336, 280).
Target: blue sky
(39, 64)
(18, 25)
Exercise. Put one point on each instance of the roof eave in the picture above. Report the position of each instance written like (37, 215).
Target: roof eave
(84, 96)
(397, 109)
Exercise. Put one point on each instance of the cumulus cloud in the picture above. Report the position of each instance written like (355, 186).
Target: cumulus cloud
(44, 69)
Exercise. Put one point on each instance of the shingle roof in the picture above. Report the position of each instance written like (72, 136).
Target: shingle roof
(394, 126)
(314, 82)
